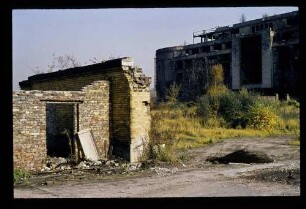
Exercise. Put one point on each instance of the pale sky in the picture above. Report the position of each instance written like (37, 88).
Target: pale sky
(101, 33)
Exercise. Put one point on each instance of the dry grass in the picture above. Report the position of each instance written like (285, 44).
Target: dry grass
(187, 130)
(295, 141)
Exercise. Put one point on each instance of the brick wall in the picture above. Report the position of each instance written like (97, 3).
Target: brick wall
(94, 114)
(30, 120)
(119, 98)
(129, 100)
(140, 124)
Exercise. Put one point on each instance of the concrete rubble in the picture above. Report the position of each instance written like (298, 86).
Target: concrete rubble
(164, 171)
(58, 164)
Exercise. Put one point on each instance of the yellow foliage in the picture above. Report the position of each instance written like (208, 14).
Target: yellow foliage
(263, 118)
(216, 76)
(217, 90)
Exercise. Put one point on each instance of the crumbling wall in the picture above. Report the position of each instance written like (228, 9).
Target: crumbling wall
(30, 119)
(29, 125)
(119, 99)
(125, 84)
(140, 113)
(94, 114)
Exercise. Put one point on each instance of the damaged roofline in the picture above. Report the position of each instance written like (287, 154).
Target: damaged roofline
(115, 63)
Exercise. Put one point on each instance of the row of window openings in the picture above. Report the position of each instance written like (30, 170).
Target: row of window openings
(206, 49)
(262, 27)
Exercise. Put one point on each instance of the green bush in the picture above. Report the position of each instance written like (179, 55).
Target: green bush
(204, 108)
(231, 109)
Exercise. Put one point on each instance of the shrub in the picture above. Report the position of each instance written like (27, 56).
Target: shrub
(173, 93)
(262, 117)
(217, 90)
(247, 99)
(204, 108)
(232, 111)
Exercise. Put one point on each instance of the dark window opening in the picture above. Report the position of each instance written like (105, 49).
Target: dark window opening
(266, 26)
(253, 29)
(287, 35)
(217, 47)
(195, 51)
(235, 31)
(60, 120)
(188, 64)
(226, 71)
(270, 25)
(205, 49)
(179, 64)
(284, 66)
(251, 71)
(292, 21)
(228, 45)
(179, 78)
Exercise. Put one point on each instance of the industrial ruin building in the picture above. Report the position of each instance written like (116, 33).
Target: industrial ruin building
(260, 54)
(111, 99)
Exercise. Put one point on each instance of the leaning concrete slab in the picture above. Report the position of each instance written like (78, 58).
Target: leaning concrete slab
(88, 145)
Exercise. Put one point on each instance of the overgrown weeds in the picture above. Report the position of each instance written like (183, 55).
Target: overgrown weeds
(21, 175)
(179, 126)
(161, 145)
(219, 114)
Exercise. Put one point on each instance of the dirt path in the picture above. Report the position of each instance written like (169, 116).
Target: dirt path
(197, 178)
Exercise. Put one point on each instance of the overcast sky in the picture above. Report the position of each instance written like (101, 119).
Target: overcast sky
(101, 33)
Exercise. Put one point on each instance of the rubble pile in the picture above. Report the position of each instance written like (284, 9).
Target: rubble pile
(57, 164)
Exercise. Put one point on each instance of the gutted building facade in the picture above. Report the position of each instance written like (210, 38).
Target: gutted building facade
(260, 54)
(110, 98)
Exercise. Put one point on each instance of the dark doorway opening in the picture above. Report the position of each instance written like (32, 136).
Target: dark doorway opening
(251, 70)
(287, 71)
(60, 129)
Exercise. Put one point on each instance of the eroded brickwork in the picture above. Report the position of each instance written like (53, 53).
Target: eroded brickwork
(128, 120)
(30, 120)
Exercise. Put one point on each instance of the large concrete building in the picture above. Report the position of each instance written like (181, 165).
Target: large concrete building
(260, 54)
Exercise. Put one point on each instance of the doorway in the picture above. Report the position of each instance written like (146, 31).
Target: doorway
(61, 119)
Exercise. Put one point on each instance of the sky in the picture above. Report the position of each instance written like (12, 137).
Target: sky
(105, 33)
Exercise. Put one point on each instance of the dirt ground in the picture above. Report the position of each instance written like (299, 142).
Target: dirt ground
(195, 177)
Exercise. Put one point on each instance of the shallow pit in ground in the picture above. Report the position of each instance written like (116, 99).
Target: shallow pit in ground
(242, 156)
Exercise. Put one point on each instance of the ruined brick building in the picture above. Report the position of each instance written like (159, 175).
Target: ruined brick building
(260, 54)
(110, 98)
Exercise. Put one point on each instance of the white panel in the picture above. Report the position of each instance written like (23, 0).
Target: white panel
(88, 144)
